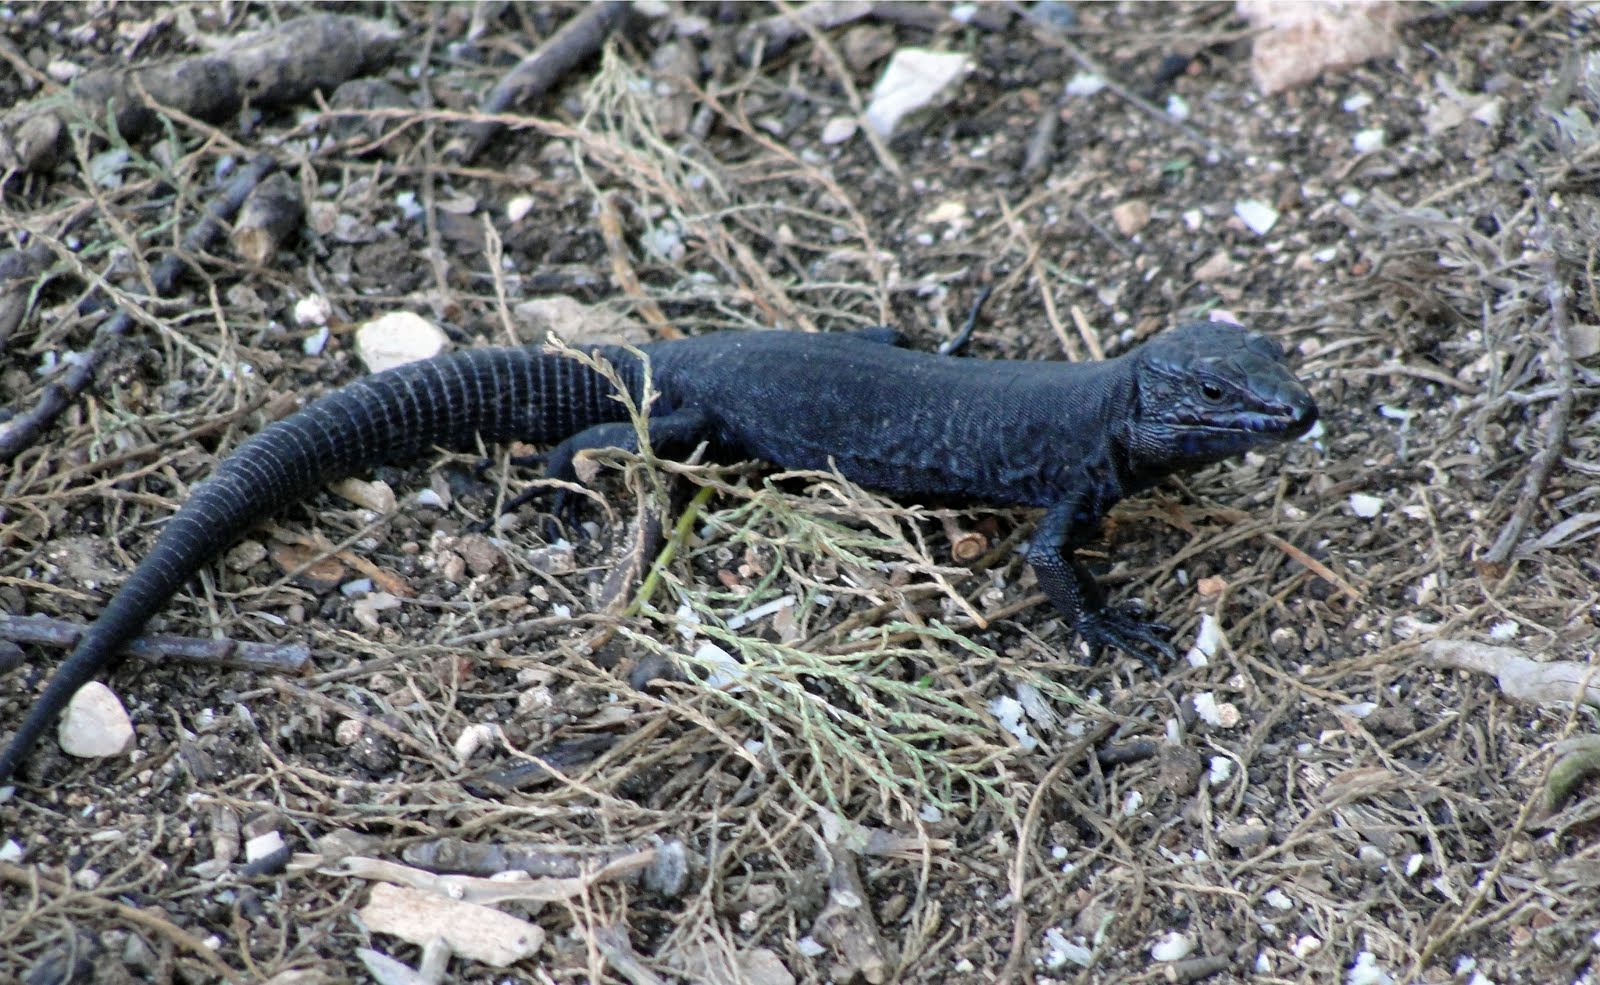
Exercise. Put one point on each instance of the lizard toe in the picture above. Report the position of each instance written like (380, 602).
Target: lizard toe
(1124, 628)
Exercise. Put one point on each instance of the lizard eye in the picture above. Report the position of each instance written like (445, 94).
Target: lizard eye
(1211, 391)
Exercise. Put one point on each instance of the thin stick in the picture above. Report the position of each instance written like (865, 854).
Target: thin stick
(278, 658)
(1495, 561)
(578, 40)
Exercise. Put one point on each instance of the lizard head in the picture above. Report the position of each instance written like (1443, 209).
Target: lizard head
(1210, 390)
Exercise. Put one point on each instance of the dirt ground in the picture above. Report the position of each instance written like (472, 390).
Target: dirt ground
(1343, 791)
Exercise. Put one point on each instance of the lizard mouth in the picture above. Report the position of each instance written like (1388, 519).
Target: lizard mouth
(1285, 421)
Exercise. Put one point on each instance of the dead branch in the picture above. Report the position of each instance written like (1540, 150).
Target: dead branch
(1495, 561)
(577, 41)
(269, 219)
(279, 658)
(275, 67)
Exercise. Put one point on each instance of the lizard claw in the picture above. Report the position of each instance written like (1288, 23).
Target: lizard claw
(1125, 628)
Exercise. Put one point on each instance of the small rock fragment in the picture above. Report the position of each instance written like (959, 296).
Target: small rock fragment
(1219, 266)
(312, 310)
(246, 555)
(263, 846)
(915, 79)
(398, 338)
(376, 496)
(1218, 714)
(94, 725)
(1173, 947)
(1131, 216)
(366, 609)
(838, 130)
(1256, 214)
(576, 323)
(1364, 506)
(1299, 41)
(1367, 141)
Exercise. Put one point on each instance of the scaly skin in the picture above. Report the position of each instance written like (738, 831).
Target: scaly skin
(1073, 438)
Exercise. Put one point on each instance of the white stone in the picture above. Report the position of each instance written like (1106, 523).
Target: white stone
(838, 130)
(95, 725)
(398, 338)
(1367, 141)
(1256, 214)
(1364, 506)
(312, 310)
(1173, 947)
(262, 845)
(915, 79)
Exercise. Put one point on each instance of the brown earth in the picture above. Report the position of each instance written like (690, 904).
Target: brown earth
(1323, 794)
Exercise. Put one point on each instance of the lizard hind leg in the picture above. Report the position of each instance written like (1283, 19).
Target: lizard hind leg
(670, 435)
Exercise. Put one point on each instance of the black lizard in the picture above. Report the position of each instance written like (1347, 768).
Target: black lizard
(1072, 437)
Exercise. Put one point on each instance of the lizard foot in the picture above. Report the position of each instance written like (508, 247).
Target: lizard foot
(1125, 628)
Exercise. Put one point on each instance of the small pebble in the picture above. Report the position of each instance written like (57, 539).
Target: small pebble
(95, 725)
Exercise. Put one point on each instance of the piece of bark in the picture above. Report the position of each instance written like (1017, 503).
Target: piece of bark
(269, 220)
(846, 924)
(279, 66)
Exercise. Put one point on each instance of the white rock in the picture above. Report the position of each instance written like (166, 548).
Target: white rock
(1256, 214)
(398, 338)
(1173, 947)
(838, 130)
(1218, 714)
(1367, 971)
(1207, 641)
(1367, 141)
(1278, 900)
(95, 725)
(1505, 630)
(376, 495)
(518, 207)
(262, 845)
(915, 79)
(1009, 712)
(316, 342)
(1364, 506)
(473, 738)
(312, 310)
(1085, 84)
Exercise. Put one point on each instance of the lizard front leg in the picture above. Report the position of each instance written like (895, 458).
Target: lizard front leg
(1079, 598)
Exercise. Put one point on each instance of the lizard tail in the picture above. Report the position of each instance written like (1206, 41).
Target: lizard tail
(497, 394)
